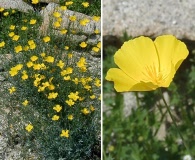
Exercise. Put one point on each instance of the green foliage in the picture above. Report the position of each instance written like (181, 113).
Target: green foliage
(55, 98)
(135, 136)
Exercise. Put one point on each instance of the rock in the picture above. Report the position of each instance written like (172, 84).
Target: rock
(48, 18)
(49, 1)
(16, 4)
(150, 18)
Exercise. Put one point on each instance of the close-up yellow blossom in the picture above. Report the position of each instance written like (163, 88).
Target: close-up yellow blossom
(29, 127)
(33, 21)
(85, 4)
(12, 90)
(66, 47)
(146, 65)
(25, 103)
(85, 111)
(55, 117)
(57, 24)
(29, 64)
(96, 31)
(83, 44)
(46, 39)
(92, 96)
(65, 133)
(57, 108)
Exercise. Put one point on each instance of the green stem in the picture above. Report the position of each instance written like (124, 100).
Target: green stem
(173, 119)
(137, 99)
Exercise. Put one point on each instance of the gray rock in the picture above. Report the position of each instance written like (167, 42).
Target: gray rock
(150, 18)
(16, 4)
(50, 1)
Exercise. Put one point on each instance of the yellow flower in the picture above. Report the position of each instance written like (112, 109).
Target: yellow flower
(36, 66)
(70, 117)
(66, 47)
(146, 65)
(99, 45)
(70, 55)
(52, 95)
(57, 108)
(96, 31)
(24, 76)
(25, 103)
(73, 96)
(56, 14)
(68, 3)
(29, 64)
(29, 127)
(24, 28)
(6, 14)
(76, 81)
(92, 97)
(55, 118)
(26, 48)
(35, 1)
(70, 102)
(1, 9)
(46, 39)
(49, 59)
(18, 48)
(84, 22)
(83, 44)
(11, 34)
(43, 54)
(15, 37)
(63, 8)
(63, 31)
(2, 44)
(11, 90)
(66, 78)
(95, 49)
(12, 27)
(92, 108)
(60, 64)
(96, 18)
(33, 58)
(33, 21)
(72, 18)
(85, 4)
(85, 111)
(56, 24)
(65, 133)
(97, 82)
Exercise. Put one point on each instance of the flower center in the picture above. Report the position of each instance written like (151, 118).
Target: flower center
(153, 75)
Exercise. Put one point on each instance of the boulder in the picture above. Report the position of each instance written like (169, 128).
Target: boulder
(150, 18)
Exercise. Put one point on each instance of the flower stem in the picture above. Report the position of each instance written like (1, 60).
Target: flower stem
(173, 119)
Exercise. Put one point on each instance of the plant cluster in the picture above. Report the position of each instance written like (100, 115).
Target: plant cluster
(57, 97)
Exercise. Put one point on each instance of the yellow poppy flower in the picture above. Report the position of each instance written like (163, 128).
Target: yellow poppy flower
(145, 65)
